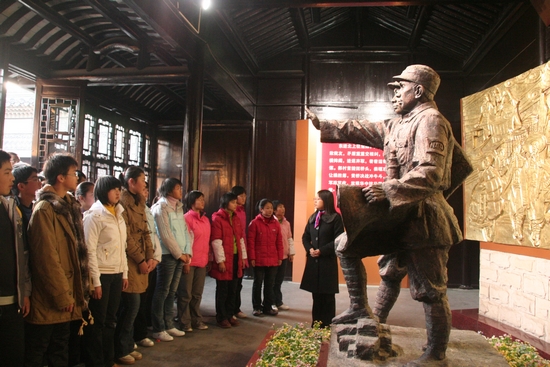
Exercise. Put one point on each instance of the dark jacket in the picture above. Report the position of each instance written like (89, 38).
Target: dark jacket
(226, 232)
(321, 273)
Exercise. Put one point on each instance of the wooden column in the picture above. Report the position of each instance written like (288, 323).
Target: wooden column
(4, 57)
(192, 129)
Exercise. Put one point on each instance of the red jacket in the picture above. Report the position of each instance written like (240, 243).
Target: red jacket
(229, 231)
(265, 242)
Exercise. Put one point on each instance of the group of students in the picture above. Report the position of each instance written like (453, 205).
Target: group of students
(103, 269)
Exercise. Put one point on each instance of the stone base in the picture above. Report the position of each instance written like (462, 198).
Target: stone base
(465, 349)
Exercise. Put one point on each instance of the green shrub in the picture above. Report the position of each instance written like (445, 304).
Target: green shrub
(517, 353)
(293, 346)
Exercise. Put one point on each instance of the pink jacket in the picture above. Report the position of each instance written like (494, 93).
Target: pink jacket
(199, 226)
(288, 241)
(265, 242)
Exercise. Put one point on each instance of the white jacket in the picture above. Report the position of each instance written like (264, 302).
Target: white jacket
(106, 242)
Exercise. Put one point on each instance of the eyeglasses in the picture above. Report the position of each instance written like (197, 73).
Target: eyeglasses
(32, 179)
(74, 174)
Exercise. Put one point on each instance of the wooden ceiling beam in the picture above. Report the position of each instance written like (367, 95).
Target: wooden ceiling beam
(507, 19)
(299, 21)
(270, 4)
(420, 26)
(167, 21)
(46, 12)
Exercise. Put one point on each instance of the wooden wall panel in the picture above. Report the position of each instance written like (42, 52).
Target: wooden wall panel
(275, 157)
(225, 162)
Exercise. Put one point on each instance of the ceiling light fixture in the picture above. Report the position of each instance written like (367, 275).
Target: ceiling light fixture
(206, 4)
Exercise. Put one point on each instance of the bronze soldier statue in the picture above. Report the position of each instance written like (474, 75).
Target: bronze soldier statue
(424, 162)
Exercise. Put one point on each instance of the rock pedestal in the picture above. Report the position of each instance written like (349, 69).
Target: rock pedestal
(403, 345)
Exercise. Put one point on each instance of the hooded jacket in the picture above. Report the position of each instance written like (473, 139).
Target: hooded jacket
(138, 244)
(58, 259)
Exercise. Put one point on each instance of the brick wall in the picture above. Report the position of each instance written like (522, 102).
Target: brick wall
(514, 289)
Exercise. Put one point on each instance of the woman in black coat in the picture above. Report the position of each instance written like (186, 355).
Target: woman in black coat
(321, 272)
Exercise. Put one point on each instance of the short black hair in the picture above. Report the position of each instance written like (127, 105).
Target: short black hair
(58, 164)
(80, 174)
(103, 185)
(276, 204)
(226, 199)
(238, 190)
(191, 197)
(83, 188)
(22, 172)
(4, 157)
(263, 202)
(168, 186)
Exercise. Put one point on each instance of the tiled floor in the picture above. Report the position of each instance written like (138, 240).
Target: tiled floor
(235, 346)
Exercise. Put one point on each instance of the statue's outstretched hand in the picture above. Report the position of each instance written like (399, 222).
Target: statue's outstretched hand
(314, 119)
(374, 193)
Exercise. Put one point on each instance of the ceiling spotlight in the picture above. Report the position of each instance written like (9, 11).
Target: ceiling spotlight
(206, 4)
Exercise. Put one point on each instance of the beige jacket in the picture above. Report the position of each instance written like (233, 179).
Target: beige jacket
(138, 246)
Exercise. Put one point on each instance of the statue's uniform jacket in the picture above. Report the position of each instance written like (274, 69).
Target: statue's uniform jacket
(422, 143)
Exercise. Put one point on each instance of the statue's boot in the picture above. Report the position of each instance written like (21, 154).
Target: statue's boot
(356, 280)
(438, 328)
(385, 298)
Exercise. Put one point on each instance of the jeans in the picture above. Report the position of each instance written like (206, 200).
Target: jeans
(279, 278)
(47, 343)
(190, 295)
(263, 275)
(124, 333)
(168, 278)
(140, 323)
(98, 342)
(12, 335)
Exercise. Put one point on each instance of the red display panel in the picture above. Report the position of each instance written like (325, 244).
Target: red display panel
(351, 164)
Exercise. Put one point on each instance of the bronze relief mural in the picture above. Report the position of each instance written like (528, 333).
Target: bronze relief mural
(506, 135)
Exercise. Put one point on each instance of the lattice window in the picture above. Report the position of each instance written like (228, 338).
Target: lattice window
(102, 169)
(57, 127)
(120, 144)
(90, 135)
(147, 155)
(105, 139)
(134, 153)
(85, 167)
(117, 170)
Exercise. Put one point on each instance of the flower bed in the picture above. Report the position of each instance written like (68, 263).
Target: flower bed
(517, 353)
(293, 346)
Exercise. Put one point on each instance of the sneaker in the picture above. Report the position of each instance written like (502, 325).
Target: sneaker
(224, 324)
(137, 355)
(163, 336)
(127, 359)
(283, 307)
(233, 322)
(146, 343)
(175, 332)
(201, 326)
(273, 311)
(257, 313)
(241, 315)
(186, 328)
